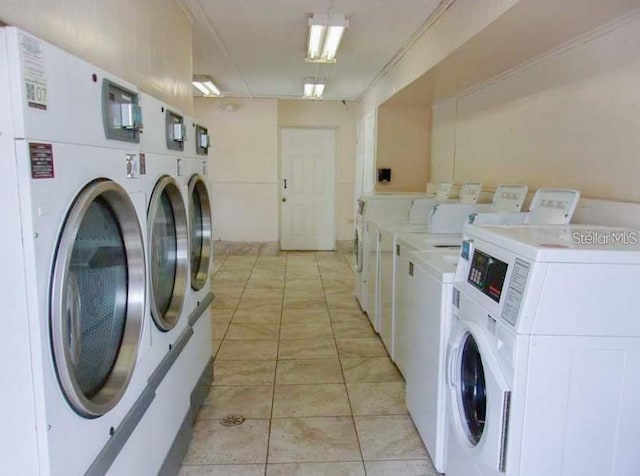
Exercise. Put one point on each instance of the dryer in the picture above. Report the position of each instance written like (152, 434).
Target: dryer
(543, 352)
(184, 372)
(76, 350)
(167, 225)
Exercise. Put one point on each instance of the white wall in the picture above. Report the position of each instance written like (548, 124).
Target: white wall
(572, 119)
(243, 167)
(146, 42)
(403, 144)
(244, 161)
(461, 21)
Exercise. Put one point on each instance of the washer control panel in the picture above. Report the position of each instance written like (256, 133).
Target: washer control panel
(487, 274)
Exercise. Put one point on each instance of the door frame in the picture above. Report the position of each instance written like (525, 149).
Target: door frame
(334, 187)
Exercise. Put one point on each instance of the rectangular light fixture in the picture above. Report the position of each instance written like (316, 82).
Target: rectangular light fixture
(205, 85)
(313, 88)
(325, 35)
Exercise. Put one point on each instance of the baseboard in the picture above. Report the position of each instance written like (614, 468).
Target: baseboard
(264, 248)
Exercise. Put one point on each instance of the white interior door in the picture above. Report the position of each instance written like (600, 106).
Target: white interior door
(307, 189)
(369, 154)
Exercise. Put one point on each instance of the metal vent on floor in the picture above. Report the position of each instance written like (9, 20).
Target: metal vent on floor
(232, 420)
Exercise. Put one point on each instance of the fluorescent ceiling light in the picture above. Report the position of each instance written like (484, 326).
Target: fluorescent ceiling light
(205, 85)
(313, 88)
(325, 35)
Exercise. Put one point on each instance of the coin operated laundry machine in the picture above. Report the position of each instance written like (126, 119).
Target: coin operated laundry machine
(184, 374)
(73, 244)
(542, 353)
(507, 199)
(393, 207)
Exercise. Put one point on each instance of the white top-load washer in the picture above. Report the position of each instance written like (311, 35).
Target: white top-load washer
(392, 238)
(429, 284)
(370, 207)
(415, 220)
(543, 353)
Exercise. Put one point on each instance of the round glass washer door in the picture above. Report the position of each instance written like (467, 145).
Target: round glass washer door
(168, 253)
(98, 298)
(472, 397)
(201, 231)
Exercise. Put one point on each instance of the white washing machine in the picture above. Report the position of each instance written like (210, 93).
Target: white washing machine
(184, 374)
(76, 343)
(395, 208)
(403, 300)
(428, 282)
(376, 210)
(543, 353)
(506, 199)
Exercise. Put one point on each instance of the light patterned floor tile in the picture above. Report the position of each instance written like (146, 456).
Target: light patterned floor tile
(382, 398)
(389, 437)
(361, 347)
(308, 371)
(404, 468)
(248, 350)
(224, 470)
(310, 400)
(213, 443)
(250, 401)
(313, 439)
(375, 369)
(315, 469)
(243, 372)
(252, 331)
(307, 349)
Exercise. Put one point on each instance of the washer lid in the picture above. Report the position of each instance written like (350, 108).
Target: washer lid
(426, 241)
(553, 206)
(441, 263)
(509, 198)
(563, 243)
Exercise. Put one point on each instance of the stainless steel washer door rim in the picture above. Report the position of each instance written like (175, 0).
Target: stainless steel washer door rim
(97, 298)
(168, 259)
(201, 231)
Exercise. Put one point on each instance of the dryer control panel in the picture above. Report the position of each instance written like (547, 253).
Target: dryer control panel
(175, 130)
(202, 140)
(121, 113)
(487, 274)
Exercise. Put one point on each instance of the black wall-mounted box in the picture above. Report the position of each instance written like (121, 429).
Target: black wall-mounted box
(384, 175)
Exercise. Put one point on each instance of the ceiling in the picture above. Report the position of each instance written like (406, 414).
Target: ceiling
(257, 48)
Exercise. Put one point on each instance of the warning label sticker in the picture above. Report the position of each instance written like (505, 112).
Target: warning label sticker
(41, 160)
(143, 164)
(33, 72)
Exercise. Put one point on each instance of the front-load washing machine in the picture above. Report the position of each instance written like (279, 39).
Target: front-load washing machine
(543, 353)
(76, 343)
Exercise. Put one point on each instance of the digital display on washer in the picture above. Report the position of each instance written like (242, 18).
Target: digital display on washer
(487, 274)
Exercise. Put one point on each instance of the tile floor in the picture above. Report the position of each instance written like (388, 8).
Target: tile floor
(297, 358)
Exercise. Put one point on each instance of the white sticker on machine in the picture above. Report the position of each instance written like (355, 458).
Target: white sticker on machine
(515, 292)
(33, 72)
